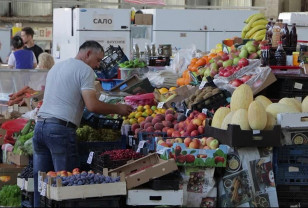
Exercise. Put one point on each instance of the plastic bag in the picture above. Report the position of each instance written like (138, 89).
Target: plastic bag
(143, 99)
(163, 78)
(182, 59)
(259, 76)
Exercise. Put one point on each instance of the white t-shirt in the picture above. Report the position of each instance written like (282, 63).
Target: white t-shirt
(12, 60)
(62, 96)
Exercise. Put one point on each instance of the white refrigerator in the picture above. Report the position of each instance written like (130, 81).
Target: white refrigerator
(72, 27)
(202, 28)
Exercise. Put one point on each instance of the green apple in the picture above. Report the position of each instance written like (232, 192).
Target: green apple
(251, 49)
(227, 63)
(243, 54)
(236, 60)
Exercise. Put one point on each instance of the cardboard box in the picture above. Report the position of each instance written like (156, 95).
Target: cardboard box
(139, 197)
(21, 160)
(270, 80)
(144, 169)
(143, 19)
(27, 185)
(294, 128)
(200, 157)
(8, 174)
(235, 137)
(60, 192)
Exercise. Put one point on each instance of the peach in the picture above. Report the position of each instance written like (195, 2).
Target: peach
(208, 140)
(203, 141)
(147, 125)
(191, 127)
(169, 117)
(201, 116)
(142, 124)
(197, 121)
(201, 129)
(175, 134)
(165, 129)
(169, 111)
(194, 133)
(149, 119)
(193, 145)
(167, 124)
(169, 132)
(150, 129)
(156, 120)
(187, 140)
(135, 126)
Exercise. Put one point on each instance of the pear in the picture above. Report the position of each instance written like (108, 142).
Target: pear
(251, 49)
(236, 60)
(243, 54)
(227, 63)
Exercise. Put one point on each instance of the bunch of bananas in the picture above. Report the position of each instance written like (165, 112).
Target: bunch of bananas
(164, 97)
(255, 28)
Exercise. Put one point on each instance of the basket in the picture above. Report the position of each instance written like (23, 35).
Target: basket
(290, 154)
(108, 67)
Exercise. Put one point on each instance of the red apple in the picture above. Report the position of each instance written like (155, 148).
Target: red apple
(236, 82)
(193, 145)
(175, 134)
(201, 116)
(191, 127)
(197, 121)
(169, 132)
(194, 133)
(187, 140)
(201, 129)
(243, 62)
(245, 78)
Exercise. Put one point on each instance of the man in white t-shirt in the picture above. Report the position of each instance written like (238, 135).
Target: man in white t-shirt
(69, 88)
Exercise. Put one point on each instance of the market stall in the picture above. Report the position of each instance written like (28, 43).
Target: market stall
(224, 128)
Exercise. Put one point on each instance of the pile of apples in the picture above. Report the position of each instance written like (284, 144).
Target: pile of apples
(191, 143)
(232, 66)
(240, 81)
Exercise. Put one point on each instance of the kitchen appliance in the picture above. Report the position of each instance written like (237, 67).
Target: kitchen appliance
(72, 27)
(202, 28)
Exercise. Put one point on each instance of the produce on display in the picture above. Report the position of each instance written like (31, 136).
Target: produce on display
(87, 133)
(240, 117)
(219, 116)
(10, 196)
(23, 145)
(241, 98)
(201, 95)
(27, 172)
(257, 117)
(192, 143)
(122, 154)
(138, 116)
(136, 63)
(255, 27)
(162, 95)
(18, 97)
(305, 104)
(276, 108)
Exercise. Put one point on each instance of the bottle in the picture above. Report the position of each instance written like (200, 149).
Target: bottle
(285, 35)
(276, 34)
(147, 53)
(136, 53)
(265, 55)
(293, 36)
(269, 33)
(280, 55)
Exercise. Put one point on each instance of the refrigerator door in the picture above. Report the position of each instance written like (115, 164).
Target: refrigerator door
(180, 39)
(101, 19)
(106, 38)
(217, 37)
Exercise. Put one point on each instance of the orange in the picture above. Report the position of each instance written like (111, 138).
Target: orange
(172, 88)
(194, 68)
(186, 74)
(206, 58)
(180, 81)
(220, 53)
(200, 62)
(187, 81)
(212, 55)
(193, 61)
(149, 111)
(147, 107)
(140, 119)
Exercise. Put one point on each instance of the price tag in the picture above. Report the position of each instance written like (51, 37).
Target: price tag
(160, 105)
(140, 145)
(298, 85)
(90, 158)
(202, 84)
(130, 141)
(293, 169)
(40, 178)
(23, 184)
(44, 189)
(204, 110)
(160, 152)
(256, 132)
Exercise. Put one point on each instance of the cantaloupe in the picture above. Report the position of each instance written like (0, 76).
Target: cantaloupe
(264, 100)
(276, 108)
(241, 98)
(291, 102)
(257, 117)
(240, 117)
(271, 122)
(219, 116)
(305, 105)
(227, 120)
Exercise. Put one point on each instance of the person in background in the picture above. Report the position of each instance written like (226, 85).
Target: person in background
(20, 58)
(69, 88)
(27, 36)
(45, 61)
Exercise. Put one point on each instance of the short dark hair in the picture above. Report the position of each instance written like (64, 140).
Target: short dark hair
(17, 42)
(28, 31)
(91, 44)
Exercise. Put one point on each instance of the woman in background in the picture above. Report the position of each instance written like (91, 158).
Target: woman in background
(21, 58)
(45, 61)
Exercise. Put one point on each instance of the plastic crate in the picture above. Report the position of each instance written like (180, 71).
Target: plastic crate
(292, 196)
(99, 121)
(109, 65)
(108, 84)
(214, 102)
(27, 199)
(290, 154)
(115, 201)
(291, 174)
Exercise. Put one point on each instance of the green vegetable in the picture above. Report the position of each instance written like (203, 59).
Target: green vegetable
(136, 63)
(10, 195)
(19, 145)
(27, 128)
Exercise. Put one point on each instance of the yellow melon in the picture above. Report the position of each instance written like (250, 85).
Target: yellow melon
(241, 97)
(219, 116)
(257, 117)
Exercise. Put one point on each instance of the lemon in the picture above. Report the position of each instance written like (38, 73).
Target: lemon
(144, 114)
(132, 115)
(132, 121)
(140, 108)
(138, 114)
(172, 88)
(146, 107)
(163, 90)
(149, 111)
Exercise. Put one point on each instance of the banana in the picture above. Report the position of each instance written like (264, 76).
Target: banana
(259, 22)
(253, 30)
(249, 18)
(258, 33)
(243, 34)
(260, 37)
(246, 28)
(255, 18)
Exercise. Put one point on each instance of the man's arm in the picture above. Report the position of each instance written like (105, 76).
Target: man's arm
(96, 106)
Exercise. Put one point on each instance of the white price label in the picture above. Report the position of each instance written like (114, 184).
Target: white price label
(130, 140)
(202, 84)
(90, 158)
(44, 189)
(256, 132)
(298, 85)
(160, 105)
(23, 184)
(140, 145)
(40, 178)
(160, 152)
(204, 110)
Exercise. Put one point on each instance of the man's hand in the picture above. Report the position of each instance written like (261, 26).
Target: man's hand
(124, 109)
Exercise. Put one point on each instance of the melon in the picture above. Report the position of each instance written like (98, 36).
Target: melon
(241, 97)
(276, 108)
(257, 117)
(298, 103)
(263, 100)
(305, 105)
(227, 120)
(240, 117)
(219, 116)
(291, 102)
(271, 122)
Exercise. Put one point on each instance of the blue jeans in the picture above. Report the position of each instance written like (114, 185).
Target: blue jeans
(55, 149)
